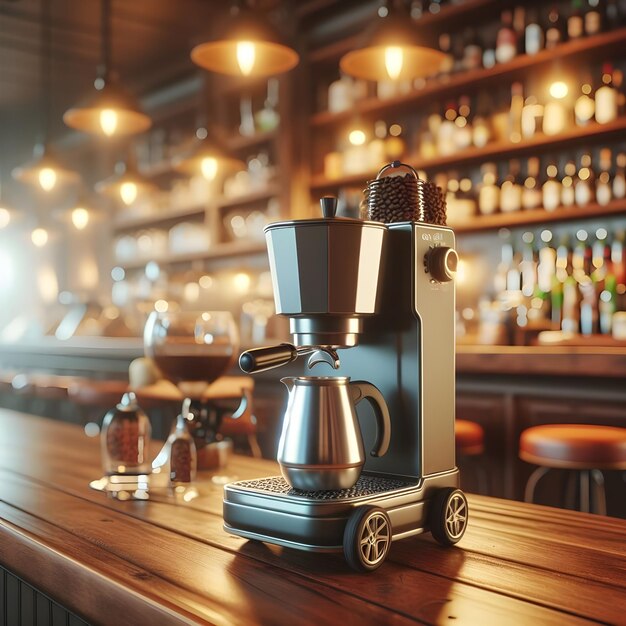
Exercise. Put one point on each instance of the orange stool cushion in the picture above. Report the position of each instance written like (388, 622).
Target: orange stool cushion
(574, 446)
(469, 437)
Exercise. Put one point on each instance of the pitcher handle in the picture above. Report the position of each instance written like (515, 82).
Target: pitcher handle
(362, 390)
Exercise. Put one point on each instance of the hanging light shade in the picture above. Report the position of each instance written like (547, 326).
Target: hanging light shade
(247, 46)
(393, 50)
(206, 159)
(126, 185)
(110, 109)
(44, 170)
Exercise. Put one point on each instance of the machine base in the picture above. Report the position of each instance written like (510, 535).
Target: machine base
(270, 510)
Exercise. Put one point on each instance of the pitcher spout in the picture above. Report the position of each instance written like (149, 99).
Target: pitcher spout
(289, 382)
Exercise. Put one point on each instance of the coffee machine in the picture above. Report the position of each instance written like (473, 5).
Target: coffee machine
(376, 303)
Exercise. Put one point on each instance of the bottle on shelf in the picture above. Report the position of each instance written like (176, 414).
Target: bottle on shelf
(463, 133)
(532, 113)
(447, 131)
(481, 129)
(472, 51)
(585, 105)
(533, 33)
(506, 39)
(568, 197)
(395, 147)
(340, 94)
(584, 184)
(528, 266)
(593, 18)
(606, 97)
(551, 189)
(511, 189)
(619, 179)
(489, 192)
(556, 116)
(603, 181)
(515, 112)
(555, 28)
(532, 192)
(576, 21)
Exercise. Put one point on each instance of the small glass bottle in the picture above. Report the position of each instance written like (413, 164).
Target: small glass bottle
(125, 439)
(568, 197)
(551, 189)
(555, 28)
(606, 97)
(533, 34)
(532, 192)
(183, 462)
(584, 184)
(511, 190)
(585, 106)
(506, 41)
(619, 180)
(603, 182)
(576, 22)
(489, 192)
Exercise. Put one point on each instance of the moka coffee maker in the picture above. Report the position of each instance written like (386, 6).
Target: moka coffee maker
(375, 302)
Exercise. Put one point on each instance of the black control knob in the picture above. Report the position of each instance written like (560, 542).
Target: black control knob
(442, 263)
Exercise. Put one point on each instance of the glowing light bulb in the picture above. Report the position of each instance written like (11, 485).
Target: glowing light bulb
(108, 121)
(5, 217)
(558, 89)
(246, 56)
(80, 218)
(47, 178)
(394, 59)
(357, 137)
(208, 166)
(39, 237)
(242, 282)
(128, 193)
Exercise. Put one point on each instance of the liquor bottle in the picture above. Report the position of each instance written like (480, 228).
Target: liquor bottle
(533, 34)
(506, 264)
(506, 40)
(619, 180)
(463, 134)
(618, 260)
(584, 183)
(445, 46)
(576, 22)
(532, 192)
(447, 131)
(555, 30)
(511, 189)
(481, 129)
(551, 190)
(603, 182)
(528, 266)
(568, 197)
(340, 94)
(472, 51)
(556, 117)
(593, 18)
(532, 114)
(489, 192)
(515, 112)
(606, 97)
(585, 105)
(615, 13)
(546, 267)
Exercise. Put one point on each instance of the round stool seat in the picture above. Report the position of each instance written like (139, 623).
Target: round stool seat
(574, 446)
(469, 437)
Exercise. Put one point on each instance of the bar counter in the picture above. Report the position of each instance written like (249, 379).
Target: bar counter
(168, 562)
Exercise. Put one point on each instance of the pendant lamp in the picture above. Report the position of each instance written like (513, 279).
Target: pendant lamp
(247, 46)
(44, 169)
(127, 184)
(110, 110)
(394, 50)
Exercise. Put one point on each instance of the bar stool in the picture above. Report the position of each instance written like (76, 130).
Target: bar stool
(585, 448)
(470, 444)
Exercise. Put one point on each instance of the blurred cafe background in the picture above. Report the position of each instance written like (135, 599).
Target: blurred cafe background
(139, 166)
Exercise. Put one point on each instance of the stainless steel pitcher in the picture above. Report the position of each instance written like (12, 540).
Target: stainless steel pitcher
(320, 445)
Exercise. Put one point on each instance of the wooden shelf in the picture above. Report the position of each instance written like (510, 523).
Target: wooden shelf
(218, 251)
(499, 149)
(162, 218)
(590, 48)
(249, 198)
(539, 216)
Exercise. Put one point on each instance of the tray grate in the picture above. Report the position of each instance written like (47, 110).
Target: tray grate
(365, 486)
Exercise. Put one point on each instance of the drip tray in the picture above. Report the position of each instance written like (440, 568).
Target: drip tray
(365, 486)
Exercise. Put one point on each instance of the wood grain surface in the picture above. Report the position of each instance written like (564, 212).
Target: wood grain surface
(166, 561)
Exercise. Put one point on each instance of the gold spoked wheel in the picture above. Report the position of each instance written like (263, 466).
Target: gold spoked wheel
(367, 538)
(448, 516)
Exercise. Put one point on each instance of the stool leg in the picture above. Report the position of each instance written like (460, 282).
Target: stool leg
(584, 479)
(599, 492)
(570, 490)
(535, 477)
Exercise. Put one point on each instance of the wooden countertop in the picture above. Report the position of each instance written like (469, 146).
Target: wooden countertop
(163, 562)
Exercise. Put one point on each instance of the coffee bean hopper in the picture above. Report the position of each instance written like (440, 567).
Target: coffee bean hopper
(375, 302)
